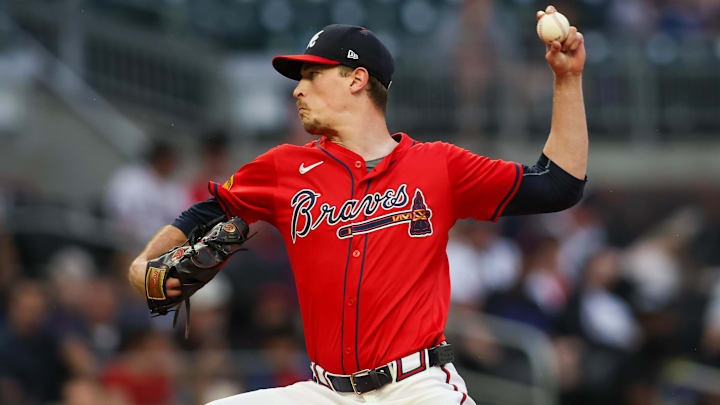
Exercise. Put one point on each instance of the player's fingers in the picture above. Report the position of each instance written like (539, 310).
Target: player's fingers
(539, 14)
(550, 9)
(570, 40)
(578, 43)
(552, 50)
(172, 285)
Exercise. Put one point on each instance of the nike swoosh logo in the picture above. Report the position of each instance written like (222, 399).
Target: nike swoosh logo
(304, 169)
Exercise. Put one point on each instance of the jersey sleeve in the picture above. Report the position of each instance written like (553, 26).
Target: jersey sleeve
(480, 187)
(250, 192)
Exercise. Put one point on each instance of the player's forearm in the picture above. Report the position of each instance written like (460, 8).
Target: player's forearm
(567, 144)
(167, 238)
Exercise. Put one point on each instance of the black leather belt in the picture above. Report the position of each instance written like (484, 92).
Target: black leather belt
(368, 380)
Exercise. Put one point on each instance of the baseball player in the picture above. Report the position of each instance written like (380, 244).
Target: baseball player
(365, 216)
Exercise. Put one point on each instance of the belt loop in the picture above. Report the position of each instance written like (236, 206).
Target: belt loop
(321, 376)
(420, 363)
(393, 370)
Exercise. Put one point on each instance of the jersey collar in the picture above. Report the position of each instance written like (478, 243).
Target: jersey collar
(349, 157)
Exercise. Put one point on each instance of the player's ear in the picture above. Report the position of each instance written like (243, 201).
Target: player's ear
(360, 77)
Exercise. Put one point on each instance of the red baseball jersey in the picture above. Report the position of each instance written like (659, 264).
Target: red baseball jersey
(368, 248)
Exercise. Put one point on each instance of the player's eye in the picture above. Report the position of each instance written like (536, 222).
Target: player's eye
(310, 74)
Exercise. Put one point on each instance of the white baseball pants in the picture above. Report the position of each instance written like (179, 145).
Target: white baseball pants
(434, 386)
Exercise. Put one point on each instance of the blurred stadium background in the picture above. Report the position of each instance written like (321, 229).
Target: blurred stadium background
(114, 113)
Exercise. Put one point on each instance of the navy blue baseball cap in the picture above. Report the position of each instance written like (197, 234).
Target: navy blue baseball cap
(339, 44)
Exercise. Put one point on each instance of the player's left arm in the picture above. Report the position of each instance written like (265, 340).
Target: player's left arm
(567, 144)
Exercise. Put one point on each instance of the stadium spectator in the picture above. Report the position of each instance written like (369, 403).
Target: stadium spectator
(132, 201)
(32, 369)
(145, 371)
(481, 262)
(214, 165)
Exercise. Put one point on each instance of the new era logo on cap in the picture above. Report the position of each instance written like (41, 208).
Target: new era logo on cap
(340, 44)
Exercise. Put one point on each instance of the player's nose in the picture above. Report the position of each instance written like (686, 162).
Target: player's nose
(298, 92)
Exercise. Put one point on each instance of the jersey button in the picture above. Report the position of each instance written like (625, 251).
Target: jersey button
(356, 253)
(348, 350)
(358, 164)
(350, 303)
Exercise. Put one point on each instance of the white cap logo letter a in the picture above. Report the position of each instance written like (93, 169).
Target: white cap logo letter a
(314, 39)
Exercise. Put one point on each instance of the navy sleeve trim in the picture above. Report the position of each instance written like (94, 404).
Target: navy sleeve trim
(198, 214)
(512, 190)
(545, 187)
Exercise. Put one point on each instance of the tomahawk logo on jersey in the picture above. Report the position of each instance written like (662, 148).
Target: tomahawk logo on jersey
(332, 216)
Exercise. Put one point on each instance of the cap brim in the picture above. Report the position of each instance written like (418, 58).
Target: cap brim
(289, 65)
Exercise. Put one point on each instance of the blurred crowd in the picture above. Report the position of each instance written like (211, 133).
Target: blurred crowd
(254, 23)
(73, 331)
(620, 293)
(621, 284)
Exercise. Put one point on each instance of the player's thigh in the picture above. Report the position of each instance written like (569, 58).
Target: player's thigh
(305, 392)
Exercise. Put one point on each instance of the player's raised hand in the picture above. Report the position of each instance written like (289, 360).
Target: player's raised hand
(568, 56)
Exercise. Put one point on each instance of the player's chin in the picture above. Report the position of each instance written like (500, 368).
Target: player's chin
(314, 127)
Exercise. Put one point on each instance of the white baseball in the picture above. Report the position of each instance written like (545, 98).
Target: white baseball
(553, 27)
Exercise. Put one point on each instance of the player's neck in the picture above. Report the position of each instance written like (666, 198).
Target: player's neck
(367, 135)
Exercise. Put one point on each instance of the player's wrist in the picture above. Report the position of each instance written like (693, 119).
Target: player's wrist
(136, 275)
(568, 78)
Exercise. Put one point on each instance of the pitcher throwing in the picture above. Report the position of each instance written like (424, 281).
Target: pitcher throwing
(365, 216)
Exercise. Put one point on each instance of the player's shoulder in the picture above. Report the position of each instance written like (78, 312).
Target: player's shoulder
(291, 148)
(287, 150)
(449, 152)
(438, 147)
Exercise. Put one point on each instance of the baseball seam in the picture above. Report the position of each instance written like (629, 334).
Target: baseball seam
(541, 30)
(560, 25)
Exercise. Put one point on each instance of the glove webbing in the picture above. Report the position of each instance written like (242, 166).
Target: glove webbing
(200, 230)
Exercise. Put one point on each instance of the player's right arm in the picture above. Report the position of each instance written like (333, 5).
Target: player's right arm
(167, 238)
(170, 236)
(248, 194)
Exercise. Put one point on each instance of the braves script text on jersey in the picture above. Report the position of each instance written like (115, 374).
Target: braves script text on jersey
(368, 248)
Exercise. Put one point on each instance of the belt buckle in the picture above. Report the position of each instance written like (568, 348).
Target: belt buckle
(360, 373)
